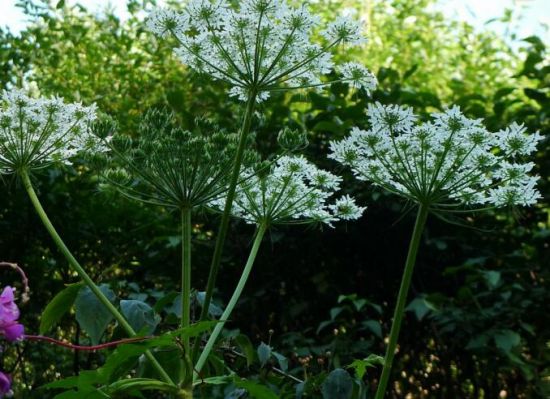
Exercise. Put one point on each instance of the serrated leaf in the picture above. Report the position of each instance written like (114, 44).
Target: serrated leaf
(92, 316)
(338, 385)
(58, 306)
(264, 353)
(360, 365)
(140, 315)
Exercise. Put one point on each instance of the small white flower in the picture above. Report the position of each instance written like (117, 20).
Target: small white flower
(346, 30)
(345, 208)
(358, 76)
(390, 117)
(163, 21)
(514, 141)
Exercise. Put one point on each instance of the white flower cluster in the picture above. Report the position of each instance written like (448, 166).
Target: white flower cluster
(293, 191)
(451, 161)
(263, 46)
(36, 132)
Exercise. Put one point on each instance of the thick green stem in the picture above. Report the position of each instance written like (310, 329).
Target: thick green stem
(224, 222)
(401, 299)
(82, 273)
(233, 301)
(186, 288)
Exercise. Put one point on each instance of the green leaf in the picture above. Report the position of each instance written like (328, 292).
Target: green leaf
(164, 301)
(374, 326)
(264, 353)
(282, 360)
(58, 306)
(536, 42)
(421, 307)
(246, 347)
(334, 312)
(140, 315)
(255, 390)
(218, 380)
(338, 385)
(83, 394)
(506, 340)
(60, 4)
(492, 278)
(92, 316)
(410, 71)
(536, 95)
(360, 365)
(478, 342)
(213, 309)
(141, 384)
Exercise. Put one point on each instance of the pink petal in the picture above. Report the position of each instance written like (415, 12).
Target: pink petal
(14, 332)
(5, 383)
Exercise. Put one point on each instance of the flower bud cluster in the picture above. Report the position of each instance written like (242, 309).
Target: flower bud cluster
(263, 46)
(291, 191)
(450, 161)
(35, 132)
(170, 166)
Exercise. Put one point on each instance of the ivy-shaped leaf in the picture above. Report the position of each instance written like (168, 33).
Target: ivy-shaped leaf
(92, 316)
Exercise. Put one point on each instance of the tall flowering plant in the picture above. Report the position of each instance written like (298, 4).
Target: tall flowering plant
(256, 47)
(34, 134)
(259, 47)
(448, 164)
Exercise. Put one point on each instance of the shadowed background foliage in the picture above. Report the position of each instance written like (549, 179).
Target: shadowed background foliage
(477, 325)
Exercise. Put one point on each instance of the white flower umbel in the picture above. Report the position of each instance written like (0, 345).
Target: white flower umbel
(449, 162)
(36, 132)
(292, 191)
(263, 46)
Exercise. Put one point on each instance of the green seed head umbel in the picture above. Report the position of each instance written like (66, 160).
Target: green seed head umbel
(169, 166)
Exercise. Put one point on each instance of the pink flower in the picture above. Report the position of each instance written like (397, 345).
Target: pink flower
(5, 384)
(9, 313)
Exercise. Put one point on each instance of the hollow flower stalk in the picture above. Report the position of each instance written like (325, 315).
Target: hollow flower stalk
(447, 163)
(260, 47)
(291, 191)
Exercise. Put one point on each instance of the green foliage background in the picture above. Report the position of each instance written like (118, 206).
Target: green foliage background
(478, 320)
